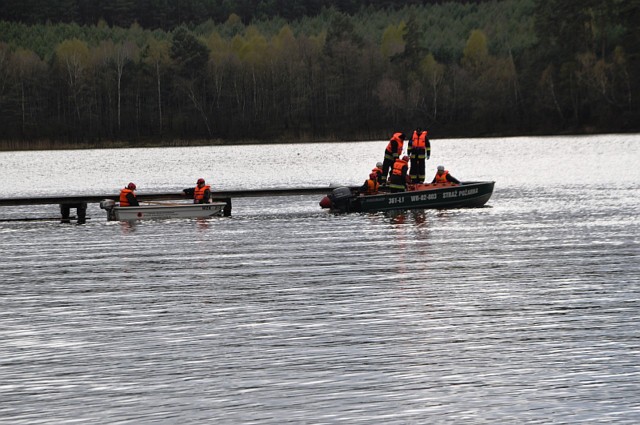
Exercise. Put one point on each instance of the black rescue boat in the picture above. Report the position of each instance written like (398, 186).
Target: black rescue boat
(424, 196)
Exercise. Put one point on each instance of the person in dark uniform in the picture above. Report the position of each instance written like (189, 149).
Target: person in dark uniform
(419, 151)
(371, 185)
(399, 177)
(391, 153)
(443, 176)
(378, 171)
(128, 196)
(202, 192)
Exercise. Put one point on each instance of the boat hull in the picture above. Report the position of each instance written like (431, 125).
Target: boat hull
(151, 212)
(466, 195)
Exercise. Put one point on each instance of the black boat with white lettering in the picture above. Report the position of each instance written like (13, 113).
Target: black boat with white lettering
(423, 196)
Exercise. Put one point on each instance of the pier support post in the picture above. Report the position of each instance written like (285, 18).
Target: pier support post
(81, 212)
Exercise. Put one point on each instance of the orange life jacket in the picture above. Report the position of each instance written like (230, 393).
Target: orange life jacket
(442, 178)
(198, 193)
(398, 166)
(395, 138)
(419, 141)
(372, 187)
(124, 202)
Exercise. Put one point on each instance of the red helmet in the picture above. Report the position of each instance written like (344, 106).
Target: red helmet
(131, 186)
(200, 180)
(373, 176)
(405, 158)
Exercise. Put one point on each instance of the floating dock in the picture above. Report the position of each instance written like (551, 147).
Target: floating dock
(79, 202)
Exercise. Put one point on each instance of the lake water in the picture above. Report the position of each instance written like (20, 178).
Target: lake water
(525, 311)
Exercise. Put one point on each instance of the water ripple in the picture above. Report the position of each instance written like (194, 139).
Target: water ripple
(522, 312)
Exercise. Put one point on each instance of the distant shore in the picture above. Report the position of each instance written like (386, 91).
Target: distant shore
(32, 145)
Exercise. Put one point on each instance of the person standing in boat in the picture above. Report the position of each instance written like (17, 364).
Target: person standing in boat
(128, 196)
(398, 179)
(202, 192)
(419, 151)
(443, 176)
(391, 153)
(371, 185)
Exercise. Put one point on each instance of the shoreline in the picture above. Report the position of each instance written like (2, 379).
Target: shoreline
(45, 144)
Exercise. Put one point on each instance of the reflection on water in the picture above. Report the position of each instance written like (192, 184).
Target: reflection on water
(127, 226)
(525, 311)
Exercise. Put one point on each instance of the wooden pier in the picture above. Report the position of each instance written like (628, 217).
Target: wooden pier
(79, 202)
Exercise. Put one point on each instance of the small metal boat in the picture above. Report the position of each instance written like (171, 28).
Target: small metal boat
(424, 196)
(161, 210)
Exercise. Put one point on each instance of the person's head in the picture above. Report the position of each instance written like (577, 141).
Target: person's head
(405, 158)
(418, 130)
(402, 136)
(379, 164)
(200, 182)
(131, 186)
(440, 169)
(373, 176)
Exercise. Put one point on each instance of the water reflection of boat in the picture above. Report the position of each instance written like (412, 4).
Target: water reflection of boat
(425, 196)
(161, 210)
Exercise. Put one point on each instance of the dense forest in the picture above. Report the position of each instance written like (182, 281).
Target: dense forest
(167, 14)
(91, 73)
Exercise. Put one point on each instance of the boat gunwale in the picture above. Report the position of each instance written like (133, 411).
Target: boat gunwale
(168, 206)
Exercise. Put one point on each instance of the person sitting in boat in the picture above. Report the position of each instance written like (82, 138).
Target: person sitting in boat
(202, 192)
(371, 185)
(398, 180)
(128, 196)
(443, 176)
(378, 171)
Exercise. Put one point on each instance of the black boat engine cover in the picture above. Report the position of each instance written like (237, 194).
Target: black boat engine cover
(340, 197)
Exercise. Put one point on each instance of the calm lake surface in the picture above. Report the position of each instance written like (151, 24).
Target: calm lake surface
(525, 311)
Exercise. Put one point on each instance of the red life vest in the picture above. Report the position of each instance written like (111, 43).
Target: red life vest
(198, 193)
(419, 141)
(124, 202)
(395, 138)
(398, 166)
(442, 178)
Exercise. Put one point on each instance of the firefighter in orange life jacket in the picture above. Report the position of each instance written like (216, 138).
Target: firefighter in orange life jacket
(391, 153)
(202, 192)
(443, 176)
(419, 151)
(128, 196)
(371, 185)
(378, 171)
(398, 179)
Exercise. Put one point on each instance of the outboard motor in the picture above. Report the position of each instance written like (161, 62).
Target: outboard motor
(339, 199)
(108, 204)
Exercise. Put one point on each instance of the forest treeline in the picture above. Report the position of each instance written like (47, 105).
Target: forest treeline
(299, 70)
(167, 14)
